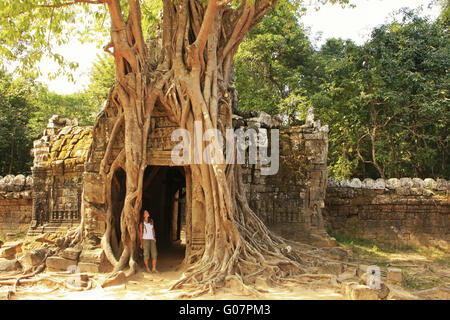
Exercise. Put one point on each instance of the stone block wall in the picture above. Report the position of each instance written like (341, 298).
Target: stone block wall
(400, 211)
(15, 203)
(290, 202)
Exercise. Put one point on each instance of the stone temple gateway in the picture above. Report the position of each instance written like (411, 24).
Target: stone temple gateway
(69, 183)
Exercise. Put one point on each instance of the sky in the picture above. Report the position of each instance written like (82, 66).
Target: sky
(328, 22)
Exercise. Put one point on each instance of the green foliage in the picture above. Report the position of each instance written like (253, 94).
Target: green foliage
(29, 30)
(69, 106)
(102, 77)
(386, 101)
(270, 65)
(16, 106)
(25, 107)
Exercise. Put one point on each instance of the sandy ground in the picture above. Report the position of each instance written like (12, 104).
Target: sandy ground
(145, 286)
(419, 270)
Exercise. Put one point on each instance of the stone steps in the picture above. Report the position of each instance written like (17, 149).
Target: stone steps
(50, 228)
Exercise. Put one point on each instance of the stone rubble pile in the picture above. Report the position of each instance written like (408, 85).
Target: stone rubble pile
(391, 184)
(15, 187)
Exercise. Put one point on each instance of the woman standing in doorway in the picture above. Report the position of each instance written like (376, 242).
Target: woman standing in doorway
(147, 236)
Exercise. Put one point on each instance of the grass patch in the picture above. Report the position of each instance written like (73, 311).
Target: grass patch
(419, 282)
(381, 251)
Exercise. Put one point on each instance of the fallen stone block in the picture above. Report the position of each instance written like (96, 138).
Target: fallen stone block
(88, 267)
(9, 265)
(356, 291)
(32, 259)
(93, 256)
(71, 253)
(332, 268)
(394, 275)
(362, 292)
(59, 263)
(9, 250)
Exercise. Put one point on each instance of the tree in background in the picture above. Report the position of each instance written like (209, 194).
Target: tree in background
(17, 103)
(26, 106)
(274, 64)
(385, 101)
(101, 79)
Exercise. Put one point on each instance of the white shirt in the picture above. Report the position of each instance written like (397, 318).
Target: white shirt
(148, 231)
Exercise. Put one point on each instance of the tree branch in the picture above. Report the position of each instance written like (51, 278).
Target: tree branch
(205, 28)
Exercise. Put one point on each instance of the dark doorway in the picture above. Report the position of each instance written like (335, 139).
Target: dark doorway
(163, 195)
(118, 192)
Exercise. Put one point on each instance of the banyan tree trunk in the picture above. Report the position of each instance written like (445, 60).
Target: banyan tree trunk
(190, 81)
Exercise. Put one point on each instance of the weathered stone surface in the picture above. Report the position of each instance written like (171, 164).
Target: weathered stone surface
(332, 268)
(355, 183)
(10, 249)
(19, 183)
(59, 264)
(89, 267)
(442, 185)
(264, 120)
(395, 275)
(29, 182)
(333, 183)
(406, 182)
(32, 259)
(418, 183)
(393, 183)
(291, 202)
(368, 183)
(402, 213)
(93, 188)
(355, 291)
(96, 257)
(93, 256)
(361, 292)
(430, 183)
(9, 265)
(379, 184)
(71, 253)
(15, 204)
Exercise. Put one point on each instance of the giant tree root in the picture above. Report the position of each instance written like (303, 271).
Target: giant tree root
(26, 279)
